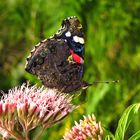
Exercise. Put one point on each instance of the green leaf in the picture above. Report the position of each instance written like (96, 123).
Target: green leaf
(136, 136)
(108, 135)
(125, 121)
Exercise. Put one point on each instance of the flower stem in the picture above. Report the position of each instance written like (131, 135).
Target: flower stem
(16, 136)
(26, 134)
(39, 133)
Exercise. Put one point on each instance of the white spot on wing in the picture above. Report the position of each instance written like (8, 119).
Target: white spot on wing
(51, 37)
(44, 40)
(68, 18)
(37, 44)
(28, 57)
(34, 49)
(68, 34)
(81, 40)
(78, 39)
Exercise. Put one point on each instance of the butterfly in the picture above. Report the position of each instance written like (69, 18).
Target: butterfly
(59, 60)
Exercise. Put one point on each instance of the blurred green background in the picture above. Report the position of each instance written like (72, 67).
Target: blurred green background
(112, 52)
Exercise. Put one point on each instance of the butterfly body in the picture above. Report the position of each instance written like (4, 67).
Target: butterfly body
(58, 61)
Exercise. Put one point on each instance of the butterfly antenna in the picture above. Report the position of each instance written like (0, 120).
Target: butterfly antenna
(106, 82)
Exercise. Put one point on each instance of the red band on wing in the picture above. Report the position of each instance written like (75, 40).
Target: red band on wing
(76, 57)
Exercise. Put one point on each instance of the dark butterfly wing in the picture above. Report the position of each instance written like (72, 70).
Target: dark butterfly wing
(51, 61)
(71, 30)
(58, 61)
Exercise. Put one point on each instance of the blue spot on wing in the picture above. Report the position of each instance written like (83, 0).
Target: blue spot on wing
(76, 47)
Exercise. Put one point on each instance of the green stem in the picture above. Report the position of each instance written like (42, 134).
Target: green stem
(39, 133)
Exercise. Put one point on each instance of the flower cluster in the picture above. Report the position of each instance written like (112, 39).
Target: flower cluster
(25, 108)
(87, 129)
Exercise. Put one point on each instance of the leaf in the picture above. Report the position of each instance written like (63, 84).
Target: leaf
(136, 136)
(100, 91)
(108, 135)
(125, 120)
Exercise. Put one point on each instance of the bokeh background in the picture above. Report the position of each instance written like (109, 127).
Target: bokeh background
(112, 52)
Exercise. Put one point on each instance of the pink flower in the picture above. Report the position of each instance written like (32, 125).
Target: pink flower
(87, 129)
(25, 108)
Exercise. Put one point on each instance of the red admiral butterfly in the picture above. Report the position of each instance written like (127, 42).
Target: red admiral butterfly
(58, 61)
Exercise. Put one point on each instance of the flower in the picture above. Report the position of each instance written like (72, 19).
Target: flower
(87, 129)
(25, 108)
